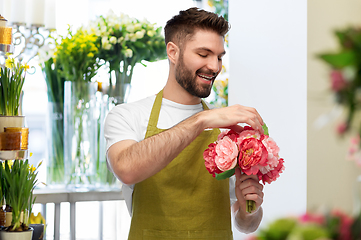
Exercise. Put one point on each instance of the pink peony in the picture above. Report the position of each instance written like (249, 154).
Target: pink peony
(209, 156)
(227, 153)
(273, 150)
(230, 133)
(253, 155)
(273, 174)
(337, 81)
(248, 132)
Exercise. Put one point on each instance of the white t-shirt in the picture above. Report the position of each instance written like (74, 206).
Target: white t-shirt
(130, 121)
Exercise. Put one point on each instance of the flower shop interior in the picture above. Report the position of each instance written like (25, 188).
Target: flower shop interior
(294, 61)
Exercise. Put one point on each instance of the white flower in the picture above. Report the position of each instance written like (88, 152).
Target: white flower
(128, 53)
(140, 34)
(151, 33)
(45, 53)
(137, 26)
(113, 40)
(105, 43)
(132, 37)
(130, 28)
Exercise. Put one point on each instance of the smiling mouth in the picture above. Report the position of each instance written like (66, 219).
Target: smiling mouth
(206, 77)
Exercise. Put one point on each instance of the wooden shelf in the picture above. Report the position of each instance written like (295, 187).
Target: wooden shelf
(14, 154)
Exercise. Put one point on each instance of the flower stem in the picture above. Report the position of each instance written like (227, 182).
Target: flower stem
(251, 206)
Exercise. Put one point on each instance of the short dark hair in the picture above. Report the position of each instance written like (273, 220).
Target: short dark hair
(182, 26)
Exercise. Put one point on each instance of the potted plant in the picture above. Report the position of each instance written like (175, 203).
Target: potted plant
(12, 77)
(19, 181)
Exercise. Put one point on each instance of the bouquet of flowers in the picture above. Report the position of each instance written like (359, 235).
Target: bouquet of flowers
(253, 152)
(124, 41)
(76, 55)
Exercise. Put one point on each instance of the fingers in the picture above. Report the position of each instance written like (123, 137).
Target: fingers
(248, 188)
(251, 117)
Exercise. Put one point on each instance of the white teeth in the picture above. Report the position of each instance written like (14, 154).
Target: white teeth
(206, 77)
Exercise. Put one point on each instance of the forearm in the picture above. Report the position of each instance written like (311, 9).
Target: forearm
(144, 159)
(245, 222)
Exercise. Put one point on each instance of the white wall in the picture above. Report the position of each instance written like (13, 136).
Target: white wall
(268, 57)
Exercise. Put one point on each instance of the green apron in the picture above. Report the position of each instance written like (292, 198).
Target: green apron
(182, 201)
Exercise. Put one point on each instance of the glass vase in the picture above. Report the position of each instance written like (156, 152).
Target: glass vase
(106, 101)
(55, 150)
(80, 134)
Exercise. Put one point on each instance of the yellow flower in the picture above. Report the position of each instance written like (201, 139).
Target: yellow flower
(10, 163)
(90, 55)
(32, 168)
(38, 219)
(9, 63)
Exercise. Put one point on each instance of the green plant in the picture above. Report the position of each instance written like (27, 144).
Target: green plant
(19, 181)
(12, 77)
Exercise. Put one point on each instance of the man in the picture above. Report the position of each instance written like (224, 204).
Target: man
(155, 145)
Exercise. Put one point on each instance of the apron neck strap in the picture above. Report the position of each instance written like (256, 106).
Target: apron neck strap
(154, 115)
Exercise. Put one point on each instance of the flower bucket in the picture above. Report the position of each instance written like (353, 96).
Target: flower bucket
(80, 133)
(25, 235)
(11, 121)
(38, 233)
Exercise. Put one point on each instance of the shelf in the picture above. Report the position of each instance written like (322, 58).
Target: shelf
(6, 48)
(14, 154)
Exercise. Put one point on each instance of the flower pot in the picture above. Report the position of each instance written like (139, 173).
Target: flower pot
(38, 233)
(2, 217)
(11, 121)
(25, 235)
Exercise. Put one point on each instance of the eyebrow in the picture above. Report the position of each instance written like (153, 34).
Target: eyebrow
(208, 50)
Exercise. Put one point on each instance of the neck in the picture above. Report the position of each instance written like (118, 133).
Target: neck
(174, 92)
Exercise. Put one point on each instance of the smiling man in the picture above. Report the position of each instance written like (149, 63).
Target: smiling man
(155, 145)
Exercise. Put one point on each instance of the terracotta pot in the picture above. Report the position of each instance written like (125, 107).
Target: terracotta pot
(11, 121)
(25, 235)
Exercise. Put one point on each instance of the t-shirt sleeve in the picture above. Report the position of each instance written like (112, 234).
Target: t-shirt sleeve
(119, 125)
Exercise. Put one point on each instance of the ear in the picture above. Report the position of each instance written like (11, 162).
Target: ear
(172, 52)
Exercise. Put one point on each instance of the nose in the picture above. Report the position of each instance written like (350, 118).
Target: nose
(214, 64)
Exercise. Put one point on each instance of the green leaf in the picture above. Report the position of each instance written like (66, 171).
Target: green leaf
(265, 129)
(339, 60)
(226, 174)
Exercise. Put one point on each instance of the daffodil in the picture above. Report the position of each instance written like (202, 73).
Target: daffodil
(12, 77)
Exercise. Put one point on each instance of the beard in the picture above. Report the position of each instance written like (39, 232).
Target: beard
(188, 80)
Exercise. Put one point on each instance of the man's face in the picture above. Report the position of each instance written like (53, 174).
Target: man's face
(199, 62)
